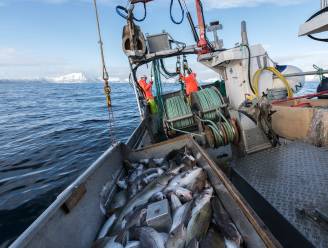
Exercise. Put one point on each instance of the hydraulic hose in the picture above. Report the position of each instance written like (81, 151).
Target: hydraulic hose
(249, 68)
(182, 13)
(123, 12)
(277, 73)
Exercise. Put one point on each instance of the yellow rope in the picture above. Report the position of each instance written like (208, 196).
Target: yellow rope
(258, 73)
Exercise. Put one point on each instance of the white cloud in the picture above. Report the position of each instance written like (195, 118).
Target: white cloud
(304, 60)
(223, 4)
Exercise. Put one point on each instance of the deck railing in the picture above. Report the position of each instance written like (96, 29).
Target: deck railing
(324, 3)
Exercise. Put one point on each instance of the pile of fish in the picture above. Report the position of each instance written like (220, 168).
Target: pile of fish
(164, 203)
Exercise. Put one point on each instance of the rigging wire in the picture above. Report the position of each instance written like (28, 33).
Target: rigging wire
(105, 77)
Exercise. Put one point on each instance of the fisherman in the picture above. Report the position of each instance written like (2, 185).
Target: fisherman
(147, 89)
(190, 82)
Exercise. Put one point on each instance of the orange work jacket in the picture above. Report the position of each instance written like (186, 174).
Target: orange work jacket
(191, 83)
(147, 88)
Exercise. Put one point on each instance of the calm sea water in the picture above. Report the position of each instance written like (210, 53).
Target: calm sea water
(49, 134)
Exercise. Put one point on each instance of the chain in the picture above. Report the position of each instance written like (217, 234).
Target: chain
(107, 89)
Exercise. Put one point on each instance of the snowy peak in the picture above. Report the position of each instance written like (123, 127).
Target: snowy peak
(77, 77)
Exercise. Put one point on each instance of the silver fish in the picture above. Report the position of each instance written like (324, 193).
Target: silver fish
(106, 194)
(158, 161)
(200, 216)
(144, 161)
(136, 173)
(175, 171)
(189, 161)
(181, 215)
(106, 227)
(183, 194)
(113, 244)
(150, 238)
(136, 218)
(224, 222)
(107, 242)
(193, 244)
(119, 200)
(177, 239)
(143, 196)
(213, 239)
(157, 197)
(150, 178)
(164, 236)
(175, 202)
(122, 184)
(133, 244)
(193, 180)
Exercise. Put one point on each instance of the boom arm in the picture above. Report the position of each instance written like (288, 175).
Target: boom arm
(202, 43)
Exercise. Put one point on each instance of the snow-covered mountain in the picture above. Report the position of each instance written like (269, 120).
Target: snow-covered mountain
(77, 77)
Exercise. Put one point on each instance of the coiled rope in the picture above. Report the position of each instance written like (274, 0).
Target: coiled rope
(176, 107)
(210, 101)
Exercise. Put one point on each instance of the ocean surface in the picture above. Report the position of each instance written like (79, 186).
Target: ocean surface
(49, 134)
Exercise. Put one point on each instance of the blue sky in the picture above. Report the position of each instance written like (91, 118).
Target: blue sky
(41, 38)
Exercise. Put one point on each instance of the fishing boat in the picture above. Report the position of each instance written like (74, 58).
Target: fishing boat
(263, 149)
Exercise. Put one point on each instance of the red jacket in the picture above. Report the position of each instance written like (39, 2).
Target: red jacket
(191, 83)
(147, 88)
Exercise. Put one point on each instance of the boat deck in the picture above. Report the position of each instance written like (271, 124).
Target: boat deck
(281, 182)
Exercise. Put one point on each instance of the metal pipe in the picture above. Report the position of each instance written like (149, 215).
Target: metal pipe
(244, 37)
(304, 73)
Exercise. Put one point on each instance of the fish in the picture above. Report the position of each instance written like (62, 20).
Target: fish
(193, 180)
(143, 196)
(133, 244)
(107, 242)
(224, 222)
(150, 178)
(181, 216)
(149, 237)
(159, 161)
(136, 173)
(113, 244)
(106, 227)
(136, 218)
(183, 194)
(144, 161)
(119, 201)
(213, 239)
(122, 184)
(193, 244)
(189, 161)
(175, 171)
(106, 194)
(200, 216)
(175, 202)
(177, 238)
(148, 173)
(101, 243)
(157, 197)
(165, 236)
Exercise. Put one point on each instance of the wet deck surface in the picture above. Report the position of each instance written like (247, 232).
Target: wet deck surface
(290, 177)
